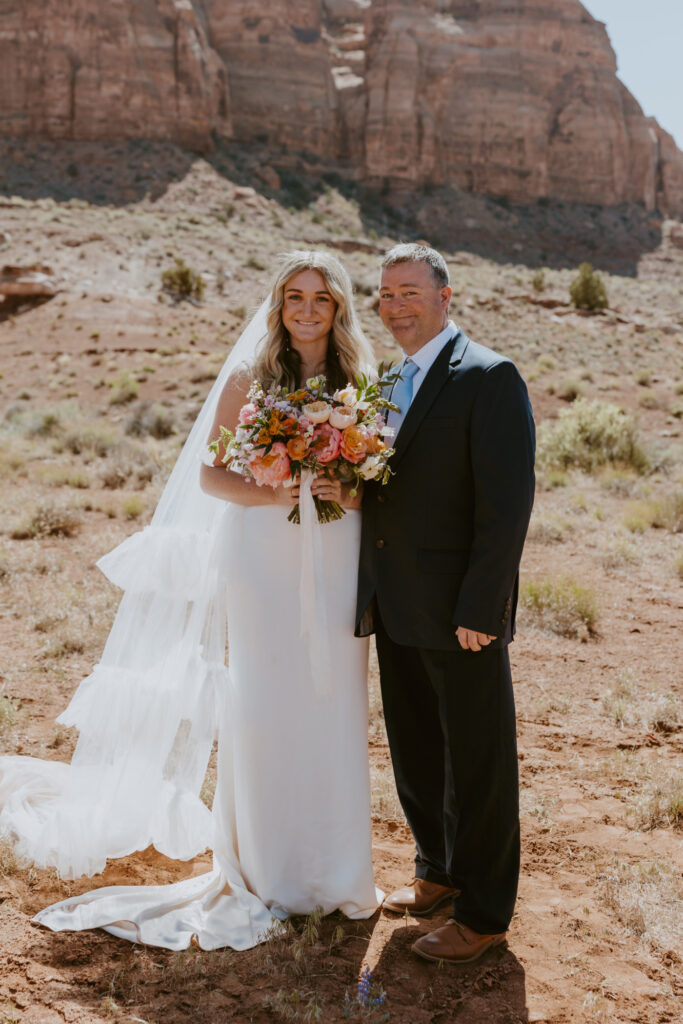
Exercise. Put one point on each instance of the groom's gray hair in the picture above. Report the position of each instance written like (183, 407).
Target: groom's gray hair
(414, 252)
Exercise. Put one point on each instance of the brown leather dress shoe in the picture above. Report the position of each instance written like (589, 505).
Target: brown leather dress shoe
(419, 898)
(455, 943)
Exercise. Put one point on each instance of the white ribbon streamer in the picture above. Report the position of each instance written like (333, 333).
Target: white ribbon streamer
(312, 590)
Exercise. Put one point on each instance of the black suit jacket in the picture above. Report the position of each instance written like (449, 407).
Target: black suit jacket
(442, 541)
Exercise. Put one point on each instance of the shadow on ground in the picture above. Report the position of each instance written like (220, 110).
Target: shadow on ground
(548, 233)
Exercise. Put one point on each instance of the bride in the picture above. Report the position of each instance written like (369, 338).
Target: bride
(290, 824)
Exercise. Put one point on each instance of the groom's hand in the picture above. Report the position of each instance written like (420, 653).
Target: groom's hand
(470, 640)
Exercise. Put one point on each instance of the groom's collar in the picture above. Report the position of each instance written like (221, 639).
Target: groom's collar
(425, 356)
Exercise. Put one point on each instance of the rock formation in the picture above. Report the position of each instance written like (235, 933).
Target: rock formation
(517, 99)
(102, 69)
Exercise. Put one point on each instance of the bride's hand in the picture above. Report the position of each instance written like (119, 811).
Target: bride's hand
(287, 495)
(335, 490)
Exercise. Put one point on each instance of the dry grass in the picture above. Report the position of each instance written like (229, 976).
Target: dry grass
(619, 552)
(91, 439)
(560, 606)
(646, 900)
(384, 801)
(48, 520)
(550, 529)
(64, 476)
(658, 804)
(9, 862)
(631, 704)
(62, 646)
(123, 389)
(152, 420)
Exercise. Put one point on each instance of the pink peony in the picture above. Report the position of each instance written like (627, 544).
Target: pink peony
(271, 469)
(248, 413)
(326, 443)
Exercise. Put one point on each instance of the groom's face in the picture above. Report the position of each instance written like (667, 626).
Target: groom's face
(412, 305)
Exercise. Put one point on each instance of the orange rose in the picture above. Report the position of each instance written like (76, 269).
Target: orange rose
(354, 444)
(375, 444)
(297, 448)
(275, 422)
(289, 426)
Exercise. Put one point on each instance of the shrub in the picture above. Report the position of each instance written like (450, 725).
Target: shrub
(570, 390)
(48, 520)
(587, 290)
(548, 529)
(64, 476)
(130, 462)
(90, 438)
(123, 389)
(668, 513)
(151, 419)
(133, 506)
(588, 435)
(561, 606)
(619, 552)
(538, 281)
(182, 282)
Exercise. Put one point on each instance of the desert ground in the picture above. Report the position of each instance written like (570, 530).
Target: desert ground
(98, 387)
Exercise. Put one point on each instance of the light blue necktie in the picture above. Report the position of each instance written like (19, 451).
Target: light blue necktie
(402, 395)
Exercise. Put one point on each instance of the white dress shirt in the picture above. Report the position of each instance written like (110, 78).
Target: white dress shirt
(423, 359)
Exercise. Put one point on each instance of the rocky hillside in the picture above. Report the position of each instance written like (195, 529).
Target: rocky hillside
(506, 99)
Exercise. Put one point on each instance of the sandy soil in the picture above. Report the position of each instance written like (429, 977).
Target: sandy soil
(597, 934)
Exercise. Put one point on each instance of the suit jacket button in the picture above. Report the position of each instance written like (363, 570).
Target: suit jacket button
(380, 497)
(379, 543)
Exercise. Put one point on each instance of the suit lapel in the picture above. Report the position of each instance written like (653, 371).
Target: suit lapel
(439, 372)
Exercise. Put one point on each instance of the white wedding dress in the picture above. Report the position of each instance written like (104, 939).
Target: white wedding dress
(291, 814)
(290, 825)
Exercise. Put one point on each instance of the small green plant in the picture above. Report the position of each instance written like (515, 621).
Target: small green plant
(589, 435)
(133, 506)
(123, 388)
(561, 606)
(182, 282)
(587, 290)
(8, 712)
(538, 281)
(679, 567)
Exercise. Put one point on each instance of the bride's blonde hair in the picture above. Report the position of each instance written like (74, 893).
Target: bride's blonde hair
(348, 351)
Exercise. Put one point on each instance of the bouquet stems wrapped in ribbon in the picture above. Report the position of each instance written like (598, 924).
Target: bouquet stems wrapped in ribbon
(282, 433)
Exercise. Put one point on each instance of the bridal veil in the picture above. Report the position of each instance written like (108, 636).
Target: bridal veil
(146, 714)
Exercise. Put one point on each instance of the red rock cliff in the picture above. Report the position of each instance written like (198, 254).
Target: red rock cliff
(504, 97)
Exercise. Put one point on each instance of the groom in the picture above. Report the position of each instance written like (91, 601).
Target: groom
(438, 579)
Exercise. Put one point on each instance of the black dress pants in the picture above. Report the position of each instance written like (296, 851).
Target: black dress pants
(450, 719)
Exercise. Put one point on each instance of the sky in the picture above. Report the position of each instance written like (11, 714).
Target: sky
(647, 37)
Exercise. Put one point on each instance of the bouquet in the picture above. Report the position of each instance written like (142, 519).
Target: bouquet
(281, 433)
